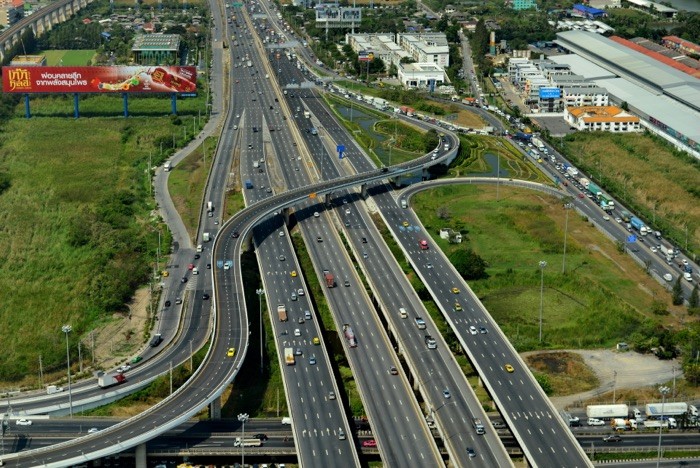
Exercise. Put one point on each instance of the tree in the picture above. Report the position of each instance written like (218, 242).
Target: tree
(469, 265)
(694, 300)
(677, 292)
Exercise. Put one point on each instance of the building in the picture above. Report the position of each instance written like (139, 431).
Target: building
(588, 12)
(11, 11)
(654, 7)
(156, 49)
(586, 96)
(676, 43)
(605, 118)
(604, 4)
(426, 47)
(28, 61)
(421, 75)
(382, 45)
(333, 16)
(523, 4)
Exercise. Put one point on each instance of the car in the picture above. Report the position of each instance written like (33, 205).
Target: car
(300, 292)
(393, 370)
(429, 266)
(618, 220)
(331, 395)
(455, 290)
(92, 430)
(471, 452)
(197, 256)
(190, 266)
(606, 217)
(595, 422)
(281, 258)
(235, 234)
(297, 352)
(205, 297)
(405, 224)
(668, 277)
(312, 360)
(24, 422)
(316, 341)
(136, 359)
(580, 195)
(297, 332)
(365, 255)
(316, 214)
(301, 320)
(483, 330)
(260, 436)
(688, 277)
(167, 303)
(612, 438)
(124, 368)
(293, 274)
(208, 266)
(346, 283)
(166, 274)
(281, 234)
(178, 301)
(369, 443)
(457, 307)
(319, 239)
(498, 424)
(472, 330)
(446, 393)
(307, 315)
(509, 368)
(184, 279)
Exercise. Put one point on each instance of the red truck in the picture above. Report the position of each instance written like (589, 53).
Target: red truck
(330, 279)
(105, 380)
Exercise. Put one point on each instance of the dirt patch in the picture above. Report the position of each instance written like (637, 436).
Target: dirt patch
(120, 339)
(567, 372)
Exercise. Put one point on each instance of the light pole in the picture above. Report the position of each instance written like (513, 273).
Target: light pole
(243, 417)
(260, 293)
(67, 329)
(543, 264)
(567, 207)
(664, 391)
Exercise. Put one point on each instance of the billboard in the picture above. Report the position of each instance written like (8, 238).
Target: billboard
(335, 16)
(134, 79)
(550, 93)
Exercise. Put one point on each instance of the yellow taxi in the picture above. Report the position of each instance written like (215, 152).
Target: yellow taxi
(455, 290)
(457, 307)
(509, 368)
(316, 341)
(165, 274)
(405, 224)
(231, 352)
(293, 273)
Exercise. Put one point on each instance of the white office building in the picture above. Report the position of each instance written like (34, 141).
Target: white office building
(420, 75)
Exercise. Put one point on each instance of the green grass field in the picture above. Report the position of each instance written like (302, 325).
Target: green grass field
(78, 232)
(55, 58)
(601, 299)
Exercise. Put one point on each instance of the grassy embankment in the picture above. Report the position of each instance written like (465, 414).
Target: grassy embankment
(79, 229)
(657, 182)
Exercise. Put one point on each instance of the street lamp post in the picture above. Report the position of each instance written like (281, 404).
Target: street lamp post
(67, 329)
(543, 264)
(567, 207)
(664, 391)
(243, 417)
(260, 293)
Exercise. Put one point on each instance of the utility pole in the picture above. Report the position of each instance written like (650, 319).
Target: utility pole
(543, 264)
(567, 207)
(41, 371)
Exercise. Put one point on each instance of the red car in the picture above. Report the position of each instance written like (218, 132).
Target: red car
(369, 443)
(190, 266)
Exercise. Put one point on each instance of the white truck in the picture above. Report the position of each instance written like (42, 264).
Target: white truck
(572, 171)
(51, 389)
(668, 252)
(607, 411)
(206, 237)
(538, 143)
(667, 409)
(655, 423)
(167, 166)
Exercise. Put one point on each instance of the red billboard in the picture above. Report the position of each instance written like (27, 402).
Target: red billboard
(138, 79)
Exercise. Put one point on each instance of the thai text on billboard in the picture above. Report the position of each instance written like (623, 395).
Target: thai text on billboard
(132, 79)
(550, 93)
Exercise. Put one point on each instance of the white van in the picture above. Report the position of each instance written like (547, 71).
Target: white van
(402, 313)
(199, 248)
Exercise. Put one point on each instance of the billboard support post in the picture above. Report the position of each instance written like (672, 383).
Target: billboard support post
(173, 103)
(76, 106)
(125, 98)
(27, 112)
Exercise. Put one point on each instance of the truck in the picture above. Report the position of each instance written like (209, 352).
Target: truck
(668, 252)
(108, 379)
(282, 312)
(585, 182)
(607, 411)
(289, 358)
(380, 103)
(210, 206)
(430, 342)
(167, 166)
(655, 424)
(51, 389)
(537, 142)
(408, 111)
(572, 171)
(349, 335)
(639, 225)
(249, 184)
(468, 101)
(625, 215)
(247, 442)
(594, 189)
(669, 409)
(330, 279)
(619, 424)
(478, 425)
(606, 202)
(523, 136)
(206, 237)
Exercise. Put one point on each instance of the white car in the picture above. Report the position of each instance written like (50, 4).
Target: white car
(606, 217)
(24, 422)
(300, 292)
(668, 277)
(595, 422)
(297, 332)
(688, 277)
(93, 430)
(472, 330)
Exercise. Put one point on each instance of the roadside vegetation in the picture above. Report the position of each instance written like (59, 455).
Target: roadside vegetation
(80, 231)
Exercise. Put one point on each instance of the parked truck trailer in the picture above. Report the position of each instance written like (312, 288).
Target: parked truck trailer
(639, 225)
(330, 279)
(282, 312)
(607, 411)
(669, 409)
(289, 356)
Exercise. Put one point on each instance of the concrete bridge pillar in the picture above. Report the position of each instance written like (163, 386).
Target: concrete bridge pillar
(285, 216)
(363, 191)
(140, 456)
(215, 409)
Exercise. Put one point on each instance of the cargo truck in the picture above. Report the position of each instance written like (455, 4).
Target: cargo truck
(282, 312)
(478, 425)
(210, 206)
(537, 142)
(606, 202)
(206, 237)
(330, 279)
(167, 166)
(594, 189)
(51, 389)
(607, 411)
(625, 215)
(668, 252)
(585, 182)
(655, 424)
(289, 356)
(349, 335)
(638, 224)
(572, 171)
(669, 409)
(105, 380)
(247, 442)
